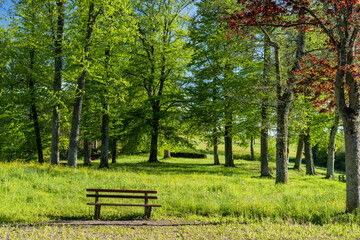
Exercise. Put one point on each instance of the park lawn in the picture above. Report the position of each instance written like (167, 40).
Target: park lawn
(187, 188)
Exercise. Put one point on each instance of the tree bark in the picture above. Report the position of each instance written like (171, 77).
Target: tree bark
(299, 152)
(331, 148)
(33, 110)
(154, 135)
(252, 155)
(167, 154)
(229, 158)
(113, 150)
(80, 87)
(285, 97)
(283, 109)
(310, 168)
(104, 160)
(87, 152)
(265, 172)
(58, 66)
(216, 149)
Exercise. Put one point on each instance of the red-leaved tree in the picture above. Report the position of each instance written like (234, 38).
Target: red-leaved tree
(339, 20)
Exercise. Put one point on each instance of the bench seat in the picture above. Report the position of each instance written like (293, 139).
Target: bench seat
(126, 194)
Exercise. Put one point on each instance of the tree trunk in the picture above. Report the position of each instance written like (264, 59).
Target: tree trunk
(299, 152)
(352, 154)
(216, 150)
(331, 147)
(252, 156)
(167, 154)
(310, 169)
(87, 152)
(265, 172)
(285, 97)
(154, 137)
(33, 110)
(113, 151)
(80, 87)
(283, 110)
(104, 160)
(58, 66)
(229, 158)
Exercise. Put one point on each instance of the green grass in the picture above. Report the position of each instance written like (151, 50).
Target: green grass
(187, 188)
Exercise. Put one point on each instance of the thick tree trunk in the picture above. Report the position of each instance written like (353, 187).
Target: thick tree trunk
(104, 160)
(33, 110)
(87, 152)
(154, 138)
(285, 97)
(283, 109)
(216, 150)
(252, 155)
(331, 148)
(58, 65)
(299, 152)
(349, 111)
(229, 158)
(352, 161)
(264, 152)
(80, 87)
(310, 168)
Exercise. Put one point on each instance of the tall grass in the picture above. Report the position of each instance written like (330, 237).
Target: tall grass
(32, 193)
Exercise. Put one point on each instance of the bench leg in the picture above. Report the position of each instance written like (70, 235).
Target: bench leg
(97, 212)
(147, 212)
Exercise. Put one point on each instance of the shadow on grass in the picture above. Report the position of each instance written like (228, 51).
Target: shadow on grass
(168, 167)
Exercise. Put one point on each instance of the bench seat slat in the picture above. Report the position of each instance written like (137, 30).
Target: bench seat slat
(124, 204)
(120, 191)
(121, 196)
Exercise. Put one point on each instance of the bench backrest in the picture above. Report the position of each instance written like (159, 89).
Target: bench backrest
(113, 193)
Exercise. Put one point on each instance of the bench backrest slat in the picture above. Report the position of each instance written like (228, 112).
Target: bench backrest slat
(120, 196)
(121, 191)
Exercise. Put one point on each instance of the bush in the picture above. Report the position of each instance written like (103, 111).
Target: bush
(188, 155)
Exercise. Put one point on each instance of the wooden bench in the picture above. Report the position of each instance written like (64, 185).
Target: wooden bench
(342, 178)
(113, 193)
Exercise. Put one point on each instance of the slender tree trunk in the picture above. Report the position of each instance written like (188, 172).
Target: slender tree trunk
(104, 160)
(310, 168)
(331, 147)
(252, 155)
(113, 150)
(33, 110)
(58, 65)
(80, 87)
(229, 158)
(216, 149)
(299, 152)
(87, 152)
(288, 150)
(265, 172)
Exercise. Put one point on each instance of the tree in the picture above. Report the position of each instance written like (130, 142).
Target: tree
(85, 43)
(58, 68)
(338, 20)
(158, 60)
